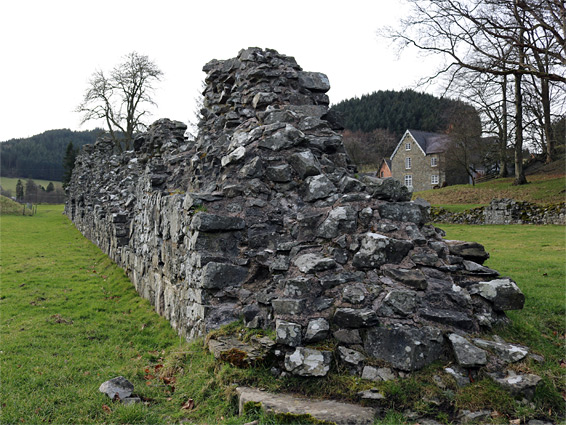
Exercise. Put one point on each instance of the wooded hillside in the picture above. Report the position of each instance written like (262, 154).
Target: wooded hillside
(41, 156)
(396, 111)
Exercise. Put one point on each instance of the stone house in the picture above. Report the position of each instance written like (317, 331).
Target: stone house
(419, 160)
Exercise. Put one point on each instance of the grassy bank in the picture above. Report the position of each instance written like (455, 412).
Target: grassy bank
(9, 207)
(70, 319)
(542, 189)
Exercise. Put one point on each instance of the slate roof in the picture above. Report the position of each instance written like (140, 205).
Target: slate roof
(431, 142)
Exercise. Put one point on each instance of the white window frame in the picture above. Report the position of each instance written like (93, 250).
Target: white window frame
(408, 163)
(408, 180)
(434, 179)
(407, 146)
(434, 161)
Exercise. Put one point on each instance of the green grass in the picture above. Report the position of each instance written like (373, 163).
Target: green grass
(542, 189)
(9, 183)
(70, 319)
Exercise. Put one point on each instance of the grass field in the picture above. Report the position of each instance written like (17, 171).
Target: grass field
(9, 183)
(542, 189)
(70, 319)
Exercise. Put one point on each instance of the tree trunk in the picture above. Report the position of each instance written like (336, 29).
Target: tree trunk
(545, 100)
(503, 139)
(519, 172)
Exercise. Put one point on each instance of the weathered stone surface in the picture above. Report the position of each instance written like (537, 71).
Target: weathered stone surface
(323, 410)
(503, 293)
(480, 416)
(377, 373)
(288, 305)
(340, 220)
(348, 336)
(355, 318)
(279, 173)
(396, 302)
(219, 275)
(317, 330)
(117, 388)
(457, 319)
(404, 211)
(315, 81)
(305, 164)
(410, 277)
(238, 353)
(288, 333)
(206, 222)
(466, 353)
(472, 251)
(371, 394)
(388, 189)
(404, 347)
(478, 269)
(509, 353)
(517, 384)
(377, 250)
(308, 362)
(318, 187)
(351, 357)
(354, 294)
(311, 263)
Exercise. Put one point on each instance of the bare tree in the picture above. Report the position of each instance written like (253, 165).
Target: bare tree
(367, 150)
(119, 97)
(496, 37)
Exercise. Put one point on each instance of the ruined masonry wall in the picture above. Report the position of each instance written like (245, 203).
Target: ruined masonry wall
(263, 217)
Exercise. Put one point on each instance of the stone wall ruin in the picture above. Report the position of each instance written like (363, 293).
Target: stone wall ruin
(262, 217)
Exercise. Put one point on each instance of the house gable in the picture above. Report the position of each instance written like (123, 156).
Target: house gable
(414, 141)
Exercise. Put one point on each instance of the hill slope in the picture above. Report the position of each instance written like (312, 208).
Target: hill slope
(41, 156)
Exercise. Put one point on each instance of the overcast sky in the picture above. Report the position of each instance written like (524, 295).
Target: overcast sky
(50, 48)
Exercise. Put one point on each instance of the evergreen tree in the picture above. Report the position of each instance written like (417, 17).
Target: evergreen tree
(31, 188)
(19, 190)
(69, 163)
(50, 187)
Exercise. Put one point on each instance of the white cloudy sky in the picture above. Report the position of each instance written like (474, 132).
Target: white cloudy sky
(50, 48)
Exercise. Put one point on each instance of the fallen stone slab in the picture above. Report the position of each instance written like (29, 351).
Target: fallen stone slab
(322, 410)
(509, 353)
(118, 387)
(517, 384)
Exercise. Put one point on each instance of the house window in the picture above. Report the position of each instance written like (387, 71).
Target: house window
(381, 174)
(408, 146)
(433, 161)
(409, 180)
(434, 179)
(407, 163)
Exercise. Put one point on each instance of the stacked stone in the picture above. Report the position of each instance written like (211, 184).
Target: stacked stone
(262, 217)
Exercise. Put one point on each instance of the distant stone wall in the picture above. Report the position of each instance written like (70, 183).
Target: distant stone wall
(504, 211)
(262, 218)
